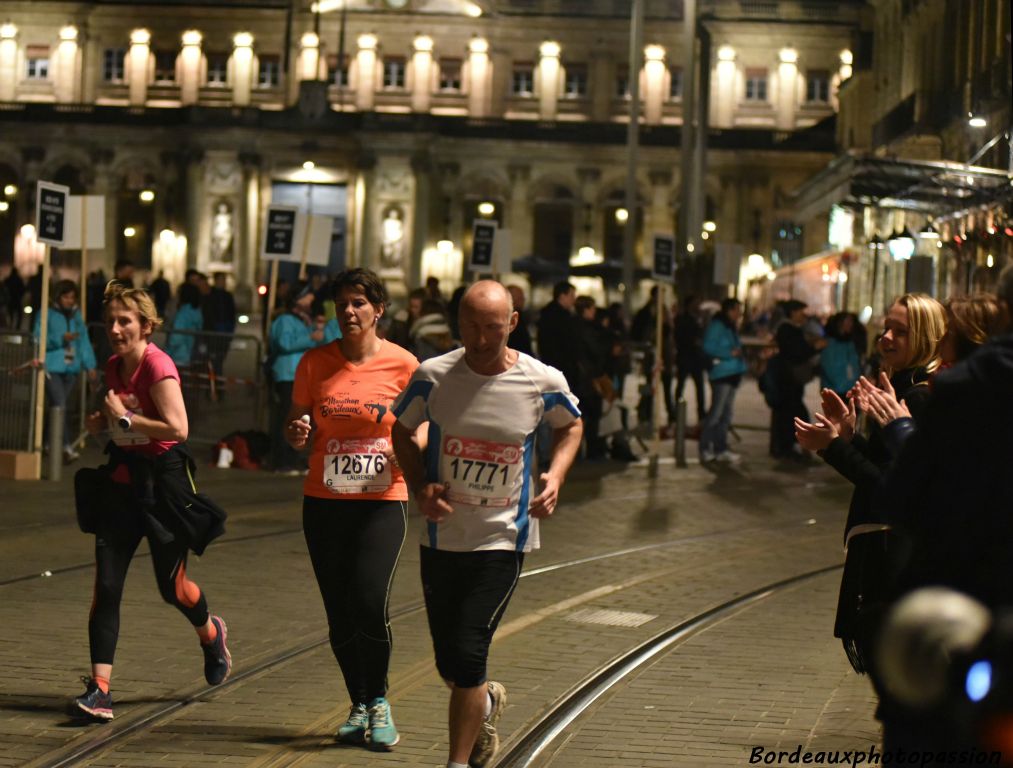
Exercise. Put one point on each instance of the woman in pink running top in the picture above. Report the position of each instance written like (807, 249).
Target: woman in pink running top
(145, 491)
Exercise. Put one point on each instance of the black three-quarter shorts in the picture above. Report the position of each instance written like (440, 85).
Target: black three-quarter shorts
(466, 594)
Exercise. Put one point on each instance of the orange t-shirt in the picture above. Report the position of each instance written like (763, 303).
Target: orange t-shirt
(351, 410)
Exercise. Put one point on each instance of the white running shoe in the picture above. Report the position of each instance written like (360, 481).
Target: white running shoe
(728, 457)
(707, 456)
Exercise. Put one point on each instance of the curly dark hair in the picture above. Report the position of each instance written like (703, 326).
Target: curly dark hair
(361, 279)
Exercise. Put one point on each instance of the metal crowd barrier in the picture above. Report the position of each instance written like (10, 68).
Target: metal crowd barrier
(17, 390)
(223, 382)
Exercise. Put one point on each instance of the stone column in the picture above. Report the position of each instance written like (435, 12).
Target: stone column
(520, 214)
(603, 87)
(422, 74)
(190, 67)
(105, 184)
(658, 215)
(242, 69)
(422, 169)
(8, 61)
(136, 66)
(365, 85)
(786, 99)
(361, 237)
(248, 217)
(548, 80)
(479, 78)
(65, 67)
(725, 83)
(309, 57)
(654, 83)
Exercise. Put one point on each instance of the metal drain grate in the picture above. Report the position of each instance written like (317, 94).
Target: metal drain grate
(610, 618)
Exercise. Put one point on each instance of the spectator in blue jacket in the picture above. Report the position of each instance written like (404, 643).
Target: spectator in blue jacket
(68, 352)
(292, 333)
(839, 363)
(722, 346)
(188, 318)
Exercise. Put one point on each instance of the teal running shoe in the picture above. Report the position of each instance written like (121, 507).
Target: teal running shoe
(382, 733)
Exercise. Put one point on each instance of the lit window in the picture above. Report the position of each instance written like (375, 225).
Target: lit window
(218, 70)
(623, 83)
(393, 74)
(165, 67)
(269, 72)
(523, 83)
(37, 62)
(575, 81)
(113, 64)
(756, 85)
(817, 86)
(675, 83)
(337, 75)
(450, 75)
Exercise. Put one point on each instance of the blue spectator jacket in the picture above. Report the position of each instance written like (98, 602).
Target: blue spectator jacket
(290, 337)
(719, 341)
(71, 356)
(839, 366)
(180, 345)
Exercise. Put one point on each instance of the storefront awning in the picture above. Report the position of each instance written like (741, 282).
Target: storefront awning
(936, 188)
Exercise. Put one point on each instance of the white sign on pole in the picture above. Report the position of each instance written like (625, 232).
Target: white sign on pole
(319, 231)
(94, 207)
(51, 213)
(280, 229)
(502, 261)
(727, 261)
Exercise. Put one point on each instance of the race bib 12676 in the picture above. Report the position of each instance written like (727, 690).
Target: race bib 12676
(357, 466)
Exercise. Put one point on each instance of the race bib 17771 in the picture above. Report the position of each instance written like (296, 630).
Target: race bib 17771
(480, 473)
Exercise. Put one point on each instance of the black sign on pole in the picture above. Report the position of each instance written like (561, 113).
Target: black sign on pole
(664, 258)
(483, 242)
(279, 234)
(51, 212)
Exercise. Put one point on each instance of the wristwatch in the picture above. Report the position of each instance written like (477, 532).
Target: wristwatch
(125, 420)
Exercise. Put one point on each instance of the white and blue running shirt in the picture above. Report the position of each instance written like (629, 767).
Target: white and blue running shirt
(481, 445)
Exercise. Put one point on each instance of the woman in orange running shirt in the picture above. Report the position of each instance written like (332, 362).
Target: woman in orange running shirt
(354, 503)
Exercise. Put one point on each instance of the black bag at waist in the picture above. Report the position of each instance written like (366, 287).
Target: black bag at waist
(162, 488)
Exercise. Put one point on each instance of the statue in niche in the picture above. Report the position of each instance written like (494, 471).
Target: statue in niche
(221, 233)
(392, 244)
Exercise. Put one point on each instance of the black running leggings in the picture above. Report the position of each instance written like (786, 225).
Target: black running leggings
(466, 594)
(354, 546)
(115, 544)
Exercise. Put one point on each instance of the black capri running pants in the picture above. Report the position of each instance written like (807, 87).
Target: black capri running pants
(466, 594)
(119, 533)
(354, 546)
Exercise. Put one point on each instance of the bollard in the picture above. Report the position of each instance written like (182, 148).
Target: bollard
(55, 443)
(680, 434)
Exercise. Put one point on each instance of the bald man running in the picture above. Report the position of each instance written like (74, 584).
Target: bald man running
(472, 482)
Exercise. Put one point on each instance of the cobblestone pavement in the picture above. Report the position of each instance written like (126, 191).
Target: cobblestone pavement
(688, 540)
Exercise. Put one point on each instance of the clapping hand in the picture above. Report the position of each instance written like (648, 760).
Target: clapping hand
(881, 402)
(843, 416)
(815, 437)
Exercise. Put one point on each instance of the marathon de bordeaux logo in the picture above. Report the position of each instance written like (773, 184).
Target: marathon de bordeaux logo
(365, 445)
(482, 450)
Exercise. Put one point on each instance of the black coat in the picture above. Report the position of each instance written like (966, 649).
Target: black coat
(558, 332)
(872, 559)
(864, 461)
(950, 492)
(689, 355)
